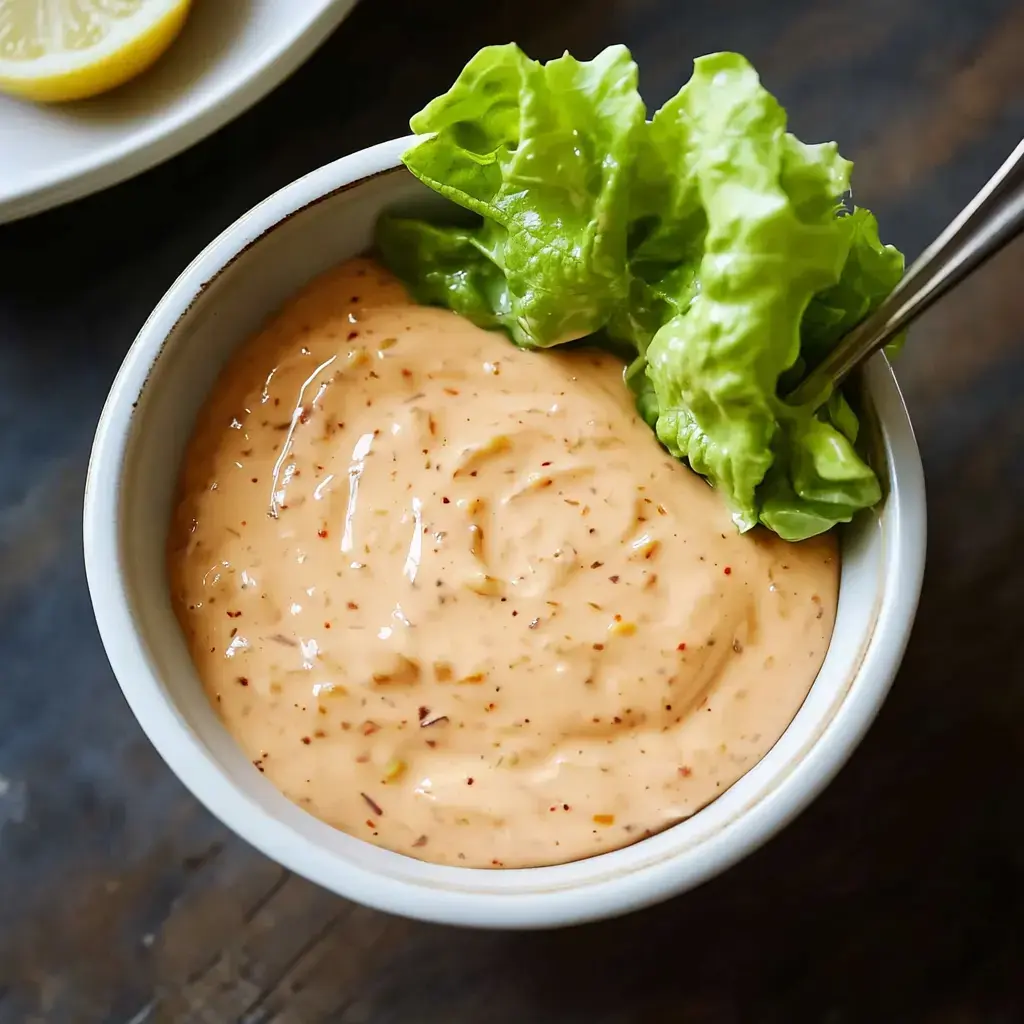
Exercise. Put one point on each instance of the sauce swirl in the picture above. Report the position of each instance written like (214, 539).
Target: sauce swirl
(453, 598)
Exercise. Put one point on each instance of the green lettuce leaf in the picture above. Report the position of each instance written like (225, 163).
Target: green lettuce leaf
(773, 240)
(667, 228)
(446, 266)
(870, 273)
(542, 154)
(707, 244)
(817, 478)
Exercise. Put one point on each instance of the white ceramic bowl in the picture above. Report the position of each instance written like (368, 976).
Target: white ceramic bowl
(226, 293)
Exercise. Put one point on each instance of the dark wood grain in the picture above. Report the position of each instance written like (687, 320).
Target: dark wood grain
(899, 896)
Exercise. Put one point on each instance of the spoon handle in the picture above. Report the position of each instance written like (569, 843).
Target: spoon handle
(990, 220)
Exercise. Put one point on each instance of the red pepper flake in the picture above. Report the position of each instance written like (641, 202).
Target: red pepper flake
(545, 463)
(596, 565)
(306, 740)
(727, 570)
(369, 728)
(234, 615)
(352, 335)
(255, 479)
(451, 391)
(406, 372)
(234, 629)
(680, 647)
(614, 579)
(322, 534)
(373, 805)
(598, 647)
(469, 782)
(565, 807)
(327, 625)
(352, 606)
(431, 743)
(685, 772)
(422, 841)
(242, 681)
(446, 501)
(423, 712)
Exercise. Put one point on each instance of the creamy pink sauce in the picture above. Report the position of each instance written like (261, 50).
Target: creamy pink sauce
(454, 599)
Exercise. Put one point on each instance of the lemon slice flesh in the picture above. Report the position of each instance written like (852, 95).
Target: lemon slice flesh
(57, 50)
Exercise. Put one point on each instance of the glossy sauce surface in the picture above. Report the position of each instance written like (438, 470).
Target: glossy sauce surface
(454, 598)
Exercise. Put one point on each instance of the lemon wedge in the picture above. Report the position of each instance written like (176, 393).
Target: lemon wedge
(57, 50)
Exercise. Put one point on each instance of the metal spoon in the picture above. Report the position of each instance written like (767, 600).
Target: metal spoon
(991, 219)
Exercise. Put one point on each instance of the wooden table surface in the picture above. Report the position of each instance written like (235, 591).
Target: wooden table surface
(899, 896)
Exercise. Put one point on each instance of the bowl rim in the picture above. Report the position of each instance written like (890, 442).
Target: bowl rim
(607, 896)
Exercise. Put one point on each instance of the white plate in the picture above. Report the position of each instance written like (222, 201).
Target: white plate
(229, 55)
